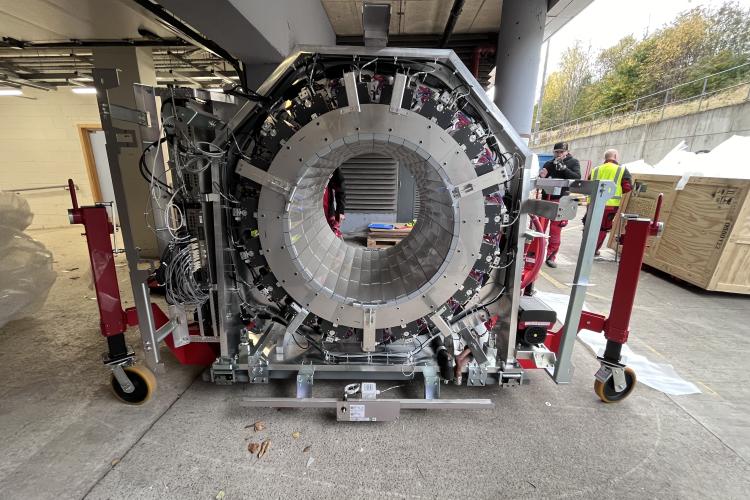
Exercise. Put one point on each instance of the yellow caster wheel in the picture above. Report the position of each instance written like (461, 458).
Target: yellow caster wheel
(144, 385)
(606, 391)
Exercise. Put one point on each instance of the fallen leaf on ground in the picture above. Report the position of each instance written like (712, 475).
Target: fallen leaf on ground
(258, 426)
(115, 462)
(253, 448)
(264, 448)
(310, 461)
(296, 434)
(220, 495)
(307, 448)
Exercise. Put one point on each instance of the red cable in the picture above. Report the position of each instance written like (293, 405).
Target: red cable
(530, 272)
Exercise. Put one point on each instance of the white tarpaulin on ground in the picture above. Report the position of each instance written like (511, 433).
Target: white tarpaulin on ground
(659, 376)
(725, 161)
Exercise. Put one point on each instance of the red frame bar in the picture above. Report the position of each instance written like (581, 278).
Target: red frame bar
(95, 221)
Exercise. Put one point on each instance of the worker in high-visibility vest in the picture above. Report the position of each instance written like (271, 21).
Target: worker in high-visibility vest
(611, 170)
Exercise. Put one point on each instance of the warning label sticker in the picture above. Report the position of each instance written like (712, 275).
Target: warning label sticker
(357, 412)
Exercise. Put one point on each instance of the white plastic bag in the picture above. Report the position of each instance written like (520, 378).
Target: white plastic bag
(26, 273)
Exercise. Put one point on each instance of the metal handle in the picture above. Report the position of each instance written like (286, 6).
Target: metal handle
(73, 197)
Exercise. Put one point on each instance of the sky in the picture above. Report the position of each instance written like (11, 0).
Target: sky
(604, 22)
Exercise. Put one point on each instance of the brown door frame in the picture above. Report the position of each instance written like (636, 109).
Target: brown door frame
(88, 158)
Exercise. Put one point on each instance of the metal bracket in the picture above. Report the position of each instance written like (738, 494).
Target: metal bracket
(472, 343)
(368, 330)
(122, 379)
(491, 178)
(181, 331)
(165, 330)
(441, 325)
(431, 382)
(259, 372)
(609, 370)
(397, 97)
(542, 357)
(126, 114)
(565, 209)
(352, 97)
(263, 178)
(305, 381)
(512, 377)
(291, 329)
(477, 375)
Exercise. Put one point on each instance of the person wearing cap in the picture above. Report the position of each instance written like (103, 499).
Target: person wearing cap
(611, 170)
(563, 166)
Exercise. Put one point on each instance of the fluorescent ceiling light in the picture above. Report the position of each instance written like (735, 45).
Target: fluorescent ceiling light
(11, 92)
(216, 89)
(84, 90)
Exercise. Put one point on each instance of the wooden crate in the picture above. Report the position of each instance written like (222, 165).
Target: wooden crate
(706, 238)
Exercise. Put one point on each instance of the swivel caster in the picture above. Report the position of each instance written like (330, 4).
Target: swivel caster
(137, 386)
(606, 390)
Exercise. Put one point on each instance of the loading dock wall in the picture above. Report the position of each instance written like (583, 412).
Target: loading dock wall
(701, 131)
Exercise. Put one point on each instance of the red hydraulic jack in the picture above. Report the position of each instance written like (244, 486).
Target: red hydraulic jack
(131, 383)
(614, 381)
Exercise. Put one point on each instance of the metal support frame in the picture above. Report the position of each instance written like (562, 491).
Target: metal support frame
(599, 192)
(104, 80)
(243, 362)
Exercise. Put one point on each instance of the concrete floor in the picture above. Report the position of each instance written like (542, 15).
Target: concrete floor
(64, 436)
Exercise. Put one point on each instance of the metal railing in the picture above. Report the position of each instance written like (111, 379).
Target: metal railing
(643, 108)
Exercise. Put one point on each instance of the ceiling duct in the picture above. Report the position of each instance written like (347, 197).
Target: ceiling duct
(376, 18)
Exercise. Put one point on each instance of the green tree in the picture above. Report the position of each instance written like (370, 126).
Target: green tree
(697, 43)
(563, 88)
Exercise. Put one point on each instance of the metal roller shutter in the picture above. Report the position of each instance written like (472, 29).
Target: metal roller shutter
(371, 184)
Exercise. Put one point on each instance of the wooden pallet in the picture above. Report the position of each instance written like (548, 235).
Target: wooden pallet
(382, 241)
(383, 238)
(706, 238)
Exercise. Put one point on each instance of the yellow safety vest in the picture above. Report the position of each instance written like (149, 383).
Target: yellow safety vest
(610, 172)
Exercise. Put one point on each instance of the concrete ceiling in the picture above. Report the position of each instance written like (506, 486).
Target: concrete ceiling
(53, 20)
(417, 16)
(55, 38)
(409, 17)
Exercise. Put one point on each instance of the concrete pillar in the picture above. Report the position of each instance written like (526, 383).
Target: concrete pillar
(135, 65)
(517, 65)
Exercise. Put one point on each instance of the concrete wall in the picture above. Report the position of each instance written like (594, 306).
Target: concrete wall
(40, 146)
(704, 130)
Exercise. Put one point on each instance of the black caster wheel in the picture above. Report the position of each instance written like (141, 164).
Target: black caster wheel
(608, 394)
(143, 380)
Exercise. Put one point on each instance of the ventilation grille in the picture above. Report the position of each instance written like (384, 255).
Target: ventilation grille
(371, 184)
(417, 203)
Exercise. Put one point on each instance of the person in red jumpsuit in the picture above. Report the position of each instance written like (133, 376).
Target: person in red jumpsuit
(563, 166)
(334, 202)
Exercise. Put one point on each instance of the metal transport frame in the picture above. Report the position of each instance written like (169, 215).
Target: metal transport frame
(256, 355)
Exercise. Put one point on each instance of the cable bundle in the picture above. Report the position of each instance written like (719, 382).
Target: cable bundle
(182, 286)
